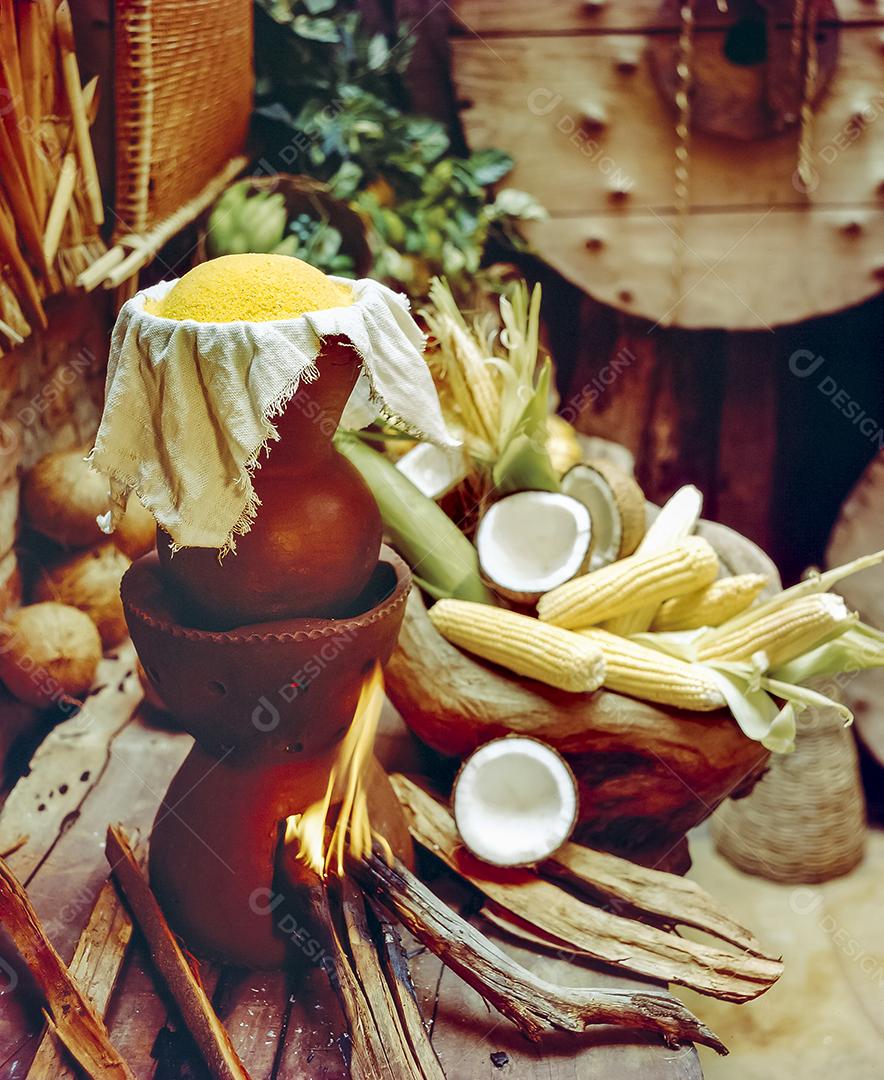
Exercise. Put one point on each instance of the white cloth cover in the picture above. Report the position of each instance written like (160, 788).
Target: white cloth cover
(188, 405)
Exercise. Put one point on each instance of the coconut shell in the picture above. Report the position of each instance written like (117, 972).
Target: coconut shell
(630, 501)
(90, 581)
(48, 652)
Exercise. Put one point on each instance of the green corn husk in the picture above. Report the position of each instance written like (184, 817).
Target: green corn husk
(856, 649)
(443, 559)
(524, 465)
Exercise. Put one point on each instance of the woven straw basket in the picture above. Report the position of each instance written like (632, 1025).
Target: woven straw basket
(805, 819)
(183, 95)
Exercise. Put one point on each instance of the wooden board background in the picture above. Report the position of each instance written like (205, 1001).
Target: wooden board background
(113, 763)
(759, 251)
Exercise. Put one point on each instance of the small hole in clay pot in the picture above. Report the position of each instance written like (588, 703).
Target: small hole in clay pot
(295, 748)
(217, 688)
(153, 673)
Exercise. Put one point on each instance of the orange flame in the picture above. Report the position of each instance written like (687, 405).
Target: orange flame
(308, 829)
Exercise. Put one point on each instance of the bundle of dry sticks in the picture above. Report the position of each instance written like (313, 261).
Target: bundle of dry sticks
(50, 200)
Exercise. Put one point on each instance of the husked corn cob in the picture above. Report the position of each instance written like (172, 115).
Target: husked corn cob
(629, 584)
(521, 644)
(783, 634)
(644, 673)
(711, 606)
(676, 521)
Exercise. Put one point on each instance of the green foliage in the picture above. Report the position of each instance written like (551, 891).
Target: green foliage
(331, 104)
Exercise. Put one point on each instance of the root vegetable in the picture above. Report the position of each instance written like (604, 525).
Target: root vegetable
(62, 496)
(90, 581)
(136, 534)
(48, 651)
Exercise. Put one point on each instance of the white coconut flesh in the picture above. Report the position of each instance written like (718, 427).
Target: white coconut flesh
(434, 470)
(593, 490)
(531, 542)
(515, 801)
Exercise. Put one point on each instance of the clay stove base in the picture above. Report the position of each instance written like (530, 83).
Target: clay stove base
(268, 705)
(214, 852)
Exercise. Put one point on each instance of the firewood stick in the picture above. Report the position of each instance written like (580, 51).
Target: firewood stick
(73, 1018)
(400, 1033)
(402, 989)
(208, 1032)
(10, 250)
(67, 179)
(368, 1055)
(71, 71)
(96, 966)
(603, 935)
(534, 1005)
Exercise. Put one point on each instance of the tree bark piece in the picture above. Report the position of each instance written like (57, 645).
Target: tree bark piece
(532, 1004)
(370, 1058)
(69, 1012)
(402, 989)
(398, 1031)
(96, 966)
(168, 956)
(671, 899)
(622, 942)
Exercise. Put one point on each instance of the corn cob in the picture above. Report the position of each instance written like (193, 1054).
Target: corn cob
(783, 634)
(676, 521)
(644, 673)
(711, 606)
(521, 644)
(629, 584)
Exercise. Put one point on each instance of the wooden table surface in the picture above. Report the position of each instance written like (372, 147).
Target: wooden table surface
(112, 763)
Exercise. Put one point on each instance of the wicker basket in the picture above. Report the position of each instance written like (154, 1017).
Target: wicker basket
(304, 195)
(805, 819)
(183, 97)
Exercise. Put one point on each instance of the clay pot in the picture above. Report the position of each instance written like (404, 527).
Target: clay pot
(215, 846)
(264, 688)
(314, 543)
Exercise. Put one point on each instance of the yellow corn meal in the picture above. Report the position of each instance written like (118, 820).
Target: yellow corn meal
(250, 288)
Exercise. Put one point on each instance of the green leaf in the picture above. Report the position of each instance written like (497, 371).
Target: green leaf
(510, 202)
(316, 29)
(378, 52)
(317, 7)
(489, 166)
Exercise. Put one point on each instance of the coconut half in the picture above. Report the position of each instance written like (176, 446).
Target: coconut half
(616, 505)
(530, 542)
(514, 801)
(434, 470)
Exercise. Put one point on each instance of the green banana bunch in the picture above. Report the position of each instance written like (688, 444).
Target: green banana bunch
(241, 222)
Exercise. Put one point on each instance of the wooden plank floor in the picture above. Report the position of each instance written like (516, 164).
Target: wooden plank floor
(112, 763)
